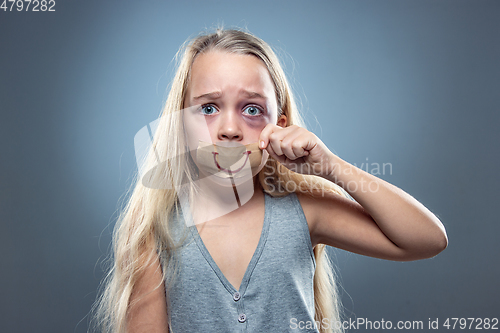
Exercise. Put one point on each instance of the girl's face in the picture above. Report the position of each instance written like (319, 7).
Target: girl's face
(230, 98)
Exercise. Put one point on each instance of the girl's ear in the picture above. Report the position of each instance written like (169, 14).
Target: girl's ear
(281, 121)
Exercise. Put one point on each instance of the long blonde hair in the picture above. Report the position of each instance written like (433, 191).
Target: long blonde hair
(143, 229)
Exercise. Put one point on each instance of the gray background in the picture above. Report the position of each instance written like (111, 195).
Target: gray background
(411, 83)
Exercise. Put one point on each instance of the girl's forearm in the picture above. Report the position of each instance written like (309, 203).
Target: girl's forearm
(404, 220)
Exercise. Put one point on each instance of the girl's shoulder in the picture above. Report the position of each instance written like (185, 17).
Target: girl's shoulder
(308, 203)
(318, 204)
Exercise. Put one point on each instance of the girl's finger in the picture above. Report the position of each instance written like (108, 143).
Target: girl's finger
(264, 135)
(270, 129)
(275, 143)
(305, 143)
(273, 154)
(290, 145)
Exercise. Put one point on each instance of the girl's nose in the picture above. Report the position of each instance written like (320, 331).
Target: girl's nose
(229, 128)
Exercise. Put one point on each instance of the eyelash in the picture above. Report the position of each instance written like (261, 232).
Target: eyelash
(248, 106)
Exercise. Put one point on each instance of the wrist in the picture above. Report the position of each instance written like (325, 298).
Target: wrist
(333, 169)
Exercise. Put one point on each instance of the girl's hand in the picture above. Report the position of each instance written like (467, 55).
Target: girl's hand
(297, 149)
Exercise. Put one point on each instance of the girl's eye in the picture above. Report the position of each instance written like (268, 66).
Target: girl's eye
(250, 110)
(253, 110)
(208, 109)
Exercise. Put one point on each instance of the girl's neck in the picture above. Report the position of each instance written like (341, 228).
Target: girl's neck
(214, 200)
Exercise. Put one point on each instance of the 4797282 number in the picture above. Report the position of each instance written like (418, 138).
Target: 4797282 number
(471, 323)
(28, 5)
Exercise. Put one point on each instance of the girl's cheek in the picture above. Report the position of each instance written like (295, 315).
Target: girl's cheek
(196, 129)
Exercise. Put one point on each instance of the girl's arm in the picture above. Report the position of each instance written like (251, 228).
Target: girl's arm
(385, 223)
(149, 314)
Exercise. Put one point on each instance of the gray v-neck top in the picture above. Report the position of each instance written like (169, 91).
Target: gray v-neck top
(276, 292)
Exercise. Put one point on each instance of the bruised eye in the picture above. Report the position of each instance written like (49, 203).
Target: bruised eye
(208, 109)
(253, 110)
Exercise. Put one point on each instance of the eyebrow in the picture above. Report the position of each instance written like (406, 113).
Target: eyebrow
(218, 94)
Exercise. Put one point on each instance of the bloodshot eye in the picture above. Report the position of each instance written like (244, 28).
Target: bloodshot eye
(253, 110)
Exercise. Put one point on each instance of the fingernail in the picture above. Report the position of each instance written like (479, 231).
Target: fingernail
(262, 144)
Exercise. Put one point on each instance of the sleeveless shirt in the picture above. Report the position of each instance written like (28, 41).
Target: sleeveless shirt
(276, 292)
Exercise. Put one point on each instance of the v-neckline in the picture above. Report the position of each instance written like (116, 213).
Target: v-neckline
(255, 257)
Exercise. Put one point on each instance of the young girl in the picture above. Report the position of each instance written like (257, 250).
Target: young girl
(226, 229)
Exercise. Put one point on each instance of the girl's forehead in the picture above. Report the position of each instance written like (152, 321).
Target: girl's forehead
(218, 71)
